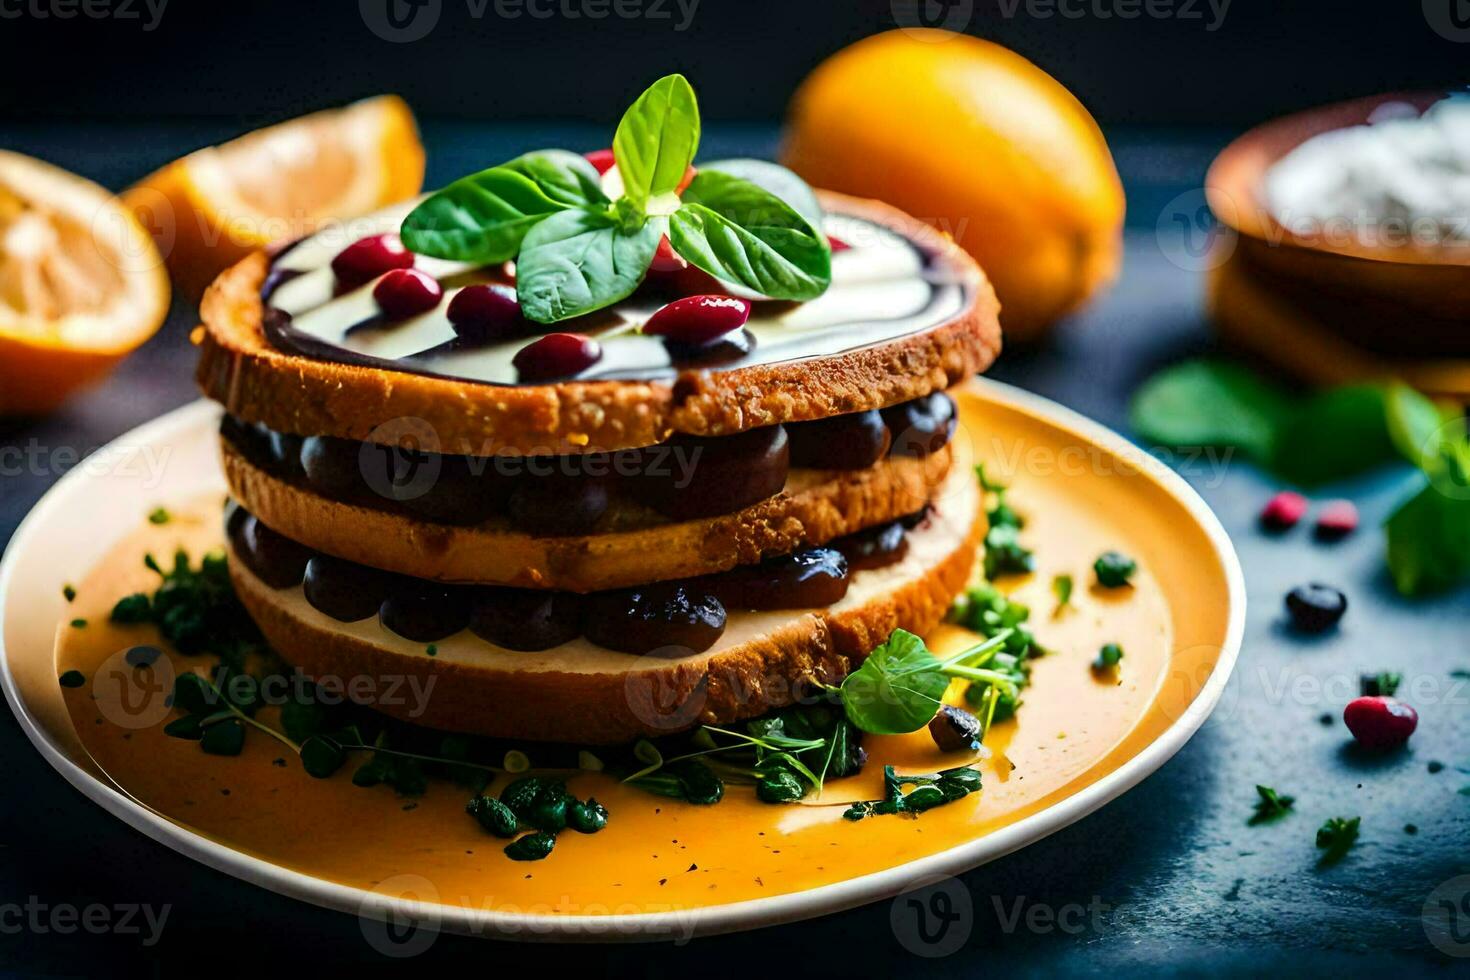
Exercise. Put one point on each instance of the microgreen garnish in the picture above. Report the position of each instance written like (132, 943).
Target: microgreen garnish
(159, 515)
(79, 624)
(1383, 683)
(68, 592)
(577, 250)
(194, 608)
(1061, 587)
(1113, 569)
(1107, 658)
(1336, 837)
(1271, 805)
(935, 789)
(898, 687)
(1004, 553)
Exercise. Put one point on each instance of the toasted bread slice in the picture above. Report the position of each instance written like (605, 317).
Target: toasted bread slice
(582, 693)
(239, 368)
(815, 507)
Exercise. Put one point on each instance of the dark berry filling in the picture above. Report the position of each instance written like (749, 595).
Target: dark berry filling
(668, 617)
(685, 478)
(877, 547)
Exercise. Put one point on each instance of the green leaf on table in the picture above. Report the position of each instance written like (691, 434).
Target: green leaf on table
(1334, 434)
(743, 234)
(1210, 403)
(656, 140)
(579, 261)
(562, 175)
(1414, 424)
(480, 218)
(897, 689)
(777, 180)
(1429, 541)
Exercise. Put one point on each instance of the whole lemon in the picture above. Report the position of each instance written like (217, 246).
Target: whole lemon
(980, 143)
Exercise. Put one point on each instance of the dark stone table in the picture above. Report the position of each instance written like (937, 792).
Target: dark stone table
(1168, 878)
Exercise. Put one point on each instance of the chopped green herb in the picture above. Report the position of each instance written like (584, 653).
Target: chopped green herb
(132, 609)
(1336, 837)
(159, 516)
(588, 817)
(1113, 569)
(68, 592)
(226, 737)
(1004, 553)
(1384, 683)
(432, 649)
(531, 847)
(898, 687)
(72, 678)
(1061, 587)
(1271, 805)
(79, 624)
(493, 815)
(1107, 658)
(935, 789)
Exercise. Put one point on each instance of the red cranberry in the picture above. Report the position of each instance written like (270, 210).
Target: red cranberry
(407, 292)
(836, 244)
(1338, 519)
(698, 319)
(601, 159)
(1283, 511)
(1380, 722)
(370, 257)
(485, 312)
(665, 259)
(557, 355)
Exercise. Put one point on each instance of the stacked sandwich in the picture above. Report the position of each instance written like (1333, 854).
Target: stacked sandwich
(686, 507)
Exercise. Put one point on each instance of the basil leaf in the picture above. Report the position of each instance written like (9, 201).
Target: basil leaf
(1335, 434)
(1429, 542)
(897, 689)
(656, 139)
(1210, 403)
(774, 178)
(479, 218)
(1415, 425)
(565, 177)
(743, 234)
(579, 261)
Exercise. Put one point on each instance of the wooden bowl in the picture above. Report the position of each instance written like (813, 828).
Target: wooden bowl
(1396, 300)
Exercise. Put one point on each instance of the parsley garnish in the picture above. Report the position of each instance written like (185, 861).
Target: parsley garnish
(1061, 587)
(1107, 658)
(1114, 569)
(159, 515)
(1336, 837)
(1271, 805)
(1004, 553)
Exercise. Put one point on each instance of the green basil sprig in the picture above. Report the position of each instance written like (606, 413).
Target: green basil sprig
(756, 226)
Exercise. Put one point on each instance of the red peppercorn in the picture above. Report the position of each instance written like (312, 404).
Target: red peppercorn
(370, 257)
(407, 292)
(698, 319)
(485, 312)
(1338, 519)
(601, 159)
(556, 355)
(1283, 511)
(1380, 722)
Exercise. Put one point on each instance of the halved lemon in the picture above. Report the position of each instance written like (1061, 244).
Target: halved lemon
(81, 284)
(217, 205)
